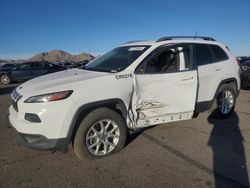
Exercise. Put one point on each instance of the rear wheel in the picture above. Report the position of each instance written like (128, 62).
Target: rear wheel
(5, 79)
(102, 132)
(225, 101)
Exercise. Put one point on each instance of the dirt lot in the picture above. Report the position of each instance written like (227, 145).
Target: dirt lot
(202, 152)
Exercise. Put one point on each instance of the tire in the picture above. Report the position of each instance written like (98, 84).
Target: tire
(196, 114)
(224, 102)
(245, 87)
(95, 138)
(5, 79)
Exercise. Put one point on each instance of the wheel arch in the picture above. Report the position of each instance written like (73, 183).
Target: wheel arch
(4, 72)
(115, 104)
(206, 105)
(228, 81)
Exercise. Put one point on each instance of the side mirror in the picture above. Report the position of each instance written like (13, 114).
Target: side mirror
(141, 70)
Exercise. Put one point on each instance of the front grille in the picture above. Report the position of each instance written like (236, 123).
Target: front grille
(15, 97)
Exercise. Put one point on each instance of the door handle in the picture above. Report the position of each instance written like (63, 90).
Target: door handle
(187, 78)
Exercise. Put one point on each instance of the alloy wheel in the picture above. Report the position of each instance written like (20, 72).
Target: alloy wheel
(102, 137)
(226, 102)
(5, 79)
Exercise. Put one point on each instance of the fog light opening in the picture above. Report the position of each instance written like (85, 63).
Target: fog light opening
(32, 118)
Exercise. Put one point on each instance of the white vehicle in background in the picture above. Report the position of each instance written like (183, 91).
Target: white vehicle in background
(136, 85)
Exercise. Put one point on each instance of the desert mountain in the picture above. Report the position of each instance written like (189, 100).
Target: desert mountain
(61, 56)
(54, 56)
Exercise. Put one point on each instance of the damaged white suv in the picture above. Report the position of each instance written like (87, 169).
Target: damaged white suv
(136, 85)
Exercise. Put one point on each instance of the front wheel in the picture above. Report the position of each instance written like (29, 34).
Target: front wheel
(5, 79)
(102, 132)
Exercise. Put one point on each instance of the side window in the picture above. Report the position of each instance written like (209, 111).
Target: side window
(219, 53)
(203, 54)
(25, 66)
(38, 65)
(165, 62)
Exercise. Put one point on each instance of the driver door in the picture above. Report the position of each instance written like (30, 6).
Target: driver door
(166, 86)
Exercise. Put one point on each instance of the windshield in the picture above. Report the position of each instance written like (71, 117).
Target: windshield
(117, 59)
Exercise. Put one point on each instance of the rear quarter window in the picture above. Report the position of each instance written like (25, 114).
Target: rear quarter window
(209, 53)
(219, 53)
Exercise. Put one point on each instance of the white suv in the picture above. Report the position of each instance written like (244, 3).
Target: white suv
(136, 85)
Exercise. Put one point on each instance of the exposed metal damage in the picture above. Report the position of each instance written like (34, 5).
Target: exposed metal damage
(144, 113)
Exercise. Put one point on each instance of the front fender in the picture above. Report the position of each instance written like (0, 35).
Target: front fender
(83, 110)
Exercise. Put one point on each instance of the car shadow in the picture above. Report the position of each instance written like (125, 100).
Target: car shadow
(229, 161)
(6, 90)
(245, 88)
(132, 136)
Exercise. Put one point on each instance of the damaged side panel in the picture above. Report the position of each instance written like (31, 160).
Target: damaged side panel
(162, 98)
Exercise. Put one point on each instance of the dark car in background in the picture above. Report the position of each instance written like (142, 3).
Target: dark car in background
(245, 73)
(72, 65)
(65, 64)
(242, 59)
(29, 70)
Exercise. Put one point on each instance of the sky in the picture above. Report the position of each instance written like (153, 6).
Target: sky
(28, 27)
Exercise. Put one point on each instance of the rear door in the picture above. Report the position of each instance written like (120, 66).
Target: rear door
(166, 86)
(211, 63)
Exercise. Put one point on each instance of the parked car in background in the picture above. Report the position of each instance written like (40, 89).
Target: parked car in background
(245, 73)
(29, 70)
(65, 64)
(242, 59)
(71, 65)
(79, 64)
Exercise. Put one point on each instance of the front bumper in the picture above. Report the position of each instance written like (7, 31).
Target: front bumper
(40, 142)
(40, 136)
(54, 118)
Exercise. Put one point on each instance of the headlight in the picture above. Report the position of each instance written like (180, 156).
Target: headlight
(49, 97)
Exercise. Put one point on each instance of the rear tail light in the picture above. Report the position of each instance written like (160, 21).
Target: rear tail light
(238, 61)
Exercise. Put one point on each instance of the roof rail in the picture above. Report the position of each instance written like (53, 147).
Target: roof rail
(179, 37)
(134, 41)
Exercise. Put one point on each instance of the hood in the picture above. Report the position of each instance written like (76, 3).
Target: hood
(54, 81)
